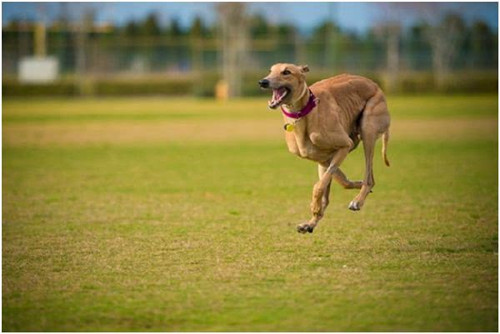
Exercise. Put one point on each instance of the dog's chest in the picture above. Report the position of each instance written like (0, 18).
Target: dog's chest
(299, 143)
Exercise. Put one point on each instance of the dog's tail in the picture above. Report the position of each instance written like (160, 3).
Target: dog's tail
(385, 140)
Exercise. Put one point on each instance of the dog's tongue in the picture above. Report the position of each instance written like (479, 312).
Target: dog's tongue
(277, 95)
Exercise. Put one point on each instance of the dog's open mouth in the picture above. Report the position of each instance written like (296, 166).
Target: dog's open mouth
(278, 97)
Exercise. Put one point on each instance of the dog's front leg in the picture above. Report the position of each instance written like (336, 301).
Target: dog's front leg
(320, 189)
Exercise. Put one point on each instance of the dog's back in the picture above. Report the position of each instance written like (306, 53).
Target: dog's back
(347, 88)
(350, 93)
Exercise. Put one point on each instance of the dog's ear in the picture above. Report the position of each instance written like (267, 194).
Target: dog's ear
(304, 68)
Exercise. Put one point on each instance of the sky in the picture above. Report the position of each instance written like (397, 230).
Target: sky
(353, 16)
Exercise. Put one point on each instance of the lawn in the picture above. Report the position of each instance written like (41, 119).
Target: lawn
(157, 214)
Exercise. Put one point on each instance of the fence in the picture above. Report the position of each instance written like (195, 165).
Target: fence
(104, 53)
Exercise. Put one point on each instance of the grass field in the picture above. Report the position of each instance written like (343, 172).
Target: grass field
(179, 215)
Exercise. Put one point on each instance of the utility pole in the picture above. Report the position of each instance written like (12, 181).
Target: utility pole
(393, 35)
(84, 27)
(40, 39)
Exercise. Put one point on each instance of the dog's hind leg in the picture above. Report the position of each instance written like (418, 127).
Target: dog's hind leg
(375, 121)
(342, 179)
(369, 180)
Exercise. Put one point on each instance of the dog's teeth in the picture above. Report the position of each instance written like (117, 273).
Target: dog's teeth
(277, 98)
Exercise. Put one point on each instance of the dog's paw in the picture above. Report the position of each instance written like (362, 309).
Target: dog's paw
(304, 228)
(354, 206)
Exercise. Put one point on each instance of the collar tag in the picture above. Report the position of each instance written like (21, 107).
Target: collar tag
(289, 127)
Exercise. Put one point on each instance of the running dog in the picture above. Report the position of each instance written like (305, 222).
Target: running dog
(325, 122)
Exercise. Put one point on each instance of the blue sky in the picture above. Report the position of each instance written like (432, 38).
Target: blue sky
(356, 16)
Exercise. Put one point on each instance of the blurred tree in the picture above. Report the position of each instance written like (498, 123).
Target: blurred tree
(321, 30)
(483, 45)
(12, 41)
(286, 31)
(196, 32)
(198, 28)
(259, 27)
(14, 24)
(316, 48)
(131, 29)
(324, 40)
(440, 42)
(418, 50)
(150, 26)
(289, 48)
(372, 51)
(150, 54)
(446, 39)
(63, 36)
(175, 29)
(446, 35)
(350, 51)
(332, 47)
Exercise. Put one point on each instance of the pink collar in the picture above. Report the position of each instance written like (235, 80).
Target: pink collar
(306, 110)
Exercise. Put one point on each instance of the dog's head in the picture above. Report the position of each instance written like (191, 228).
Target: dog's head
(287, 82)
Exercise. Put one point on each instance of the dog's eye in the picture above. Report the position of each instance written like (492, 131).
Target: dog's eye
(286, 72)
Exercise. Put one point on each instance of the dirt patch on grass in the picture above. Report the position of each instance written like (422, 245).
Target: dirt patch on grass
(83, 133)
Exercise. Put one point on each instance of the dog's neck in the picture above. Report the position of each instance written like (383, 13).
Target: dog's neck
(300, 102)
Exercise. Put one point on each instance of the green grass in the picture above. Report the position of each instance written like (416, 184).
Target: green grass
(199, 235)
(154, 108)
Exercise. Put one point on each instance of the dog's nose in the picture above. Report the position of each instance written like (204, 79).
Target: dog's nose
(264, 83)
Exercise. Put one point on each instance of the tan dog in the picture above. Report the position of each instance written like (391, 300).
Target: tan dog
(325, 127)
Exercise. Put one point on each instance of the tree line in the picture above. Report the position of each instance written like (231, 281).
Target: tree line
(447, 44)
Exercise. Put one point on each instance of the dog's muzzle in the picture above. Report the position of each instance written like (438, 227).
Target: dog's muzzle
(264, 83)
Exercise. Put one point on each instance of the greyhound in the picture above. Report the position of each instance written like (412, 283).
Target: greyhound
(325, 122)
